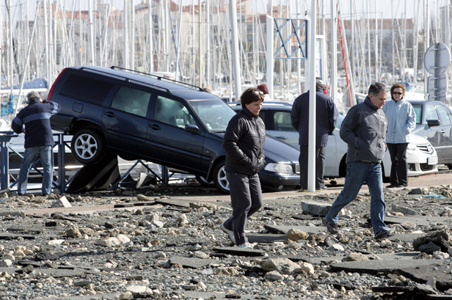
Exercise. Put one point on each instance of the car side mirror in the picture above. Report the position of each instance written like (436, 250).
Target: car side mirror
(192, 128)
(431, 123)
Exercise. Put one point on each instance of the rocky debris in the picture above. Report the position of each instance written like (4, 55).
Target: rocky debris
(62, 202)
(432, 242)
(171, 248)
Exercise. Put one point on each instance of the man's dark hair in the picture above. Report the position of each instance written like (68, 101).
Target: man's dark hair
(377, 87)
(251, 95)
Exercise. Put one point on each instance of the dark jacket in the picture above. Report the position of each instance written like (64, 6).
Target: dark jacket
(244, 143)
(326, 116)
(36, 118)
(364, 130)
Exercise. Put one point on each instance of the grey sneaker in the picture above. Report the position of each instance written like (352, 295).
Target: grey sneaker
(332, 228)
(245, 246)
(381, 235)
(230, 233)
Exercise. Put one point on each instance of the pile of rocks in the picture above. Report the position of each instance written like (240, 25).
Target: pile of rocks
(157, 246)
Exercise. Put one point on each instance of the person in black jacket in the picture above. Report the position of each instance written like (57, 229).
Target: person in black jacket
(34, 120)
(326, 116)
(244, 144)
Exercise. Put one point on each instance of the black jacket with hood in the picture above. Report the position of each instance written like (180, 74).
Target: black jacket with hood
(244, 143)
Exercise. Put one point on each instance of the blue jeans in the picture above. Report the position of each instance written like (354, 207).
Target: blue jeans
(357, 174)
(45, 152)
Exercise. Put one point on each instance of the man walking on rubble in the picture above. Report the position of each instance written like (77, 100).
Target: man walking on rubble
(364, 130)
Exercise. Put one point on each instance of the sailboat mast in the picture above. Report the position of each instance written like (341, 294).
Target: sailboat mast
(235, 48)
(151, 36)
(208, 53)
(10, 38)
(377, 69)
(132, 35)
(126, 35)
(201, 73)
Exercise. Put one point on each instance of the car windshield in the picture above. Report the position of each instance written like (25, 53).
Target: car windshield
(215, 114)
(418, 111)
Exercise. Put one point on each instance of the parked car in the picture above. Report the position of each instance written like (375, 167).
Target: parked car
(434, 122)
(421, 156)
(140, 116)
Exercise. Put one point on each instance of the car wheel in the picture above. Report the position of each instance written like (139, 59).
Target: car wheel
(203, 181)
(87, 146)
(219, 177)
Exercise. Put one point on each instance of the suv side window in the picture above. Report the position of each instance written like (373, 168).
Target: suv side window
(131, 100)
(172, 112)
(86, 88)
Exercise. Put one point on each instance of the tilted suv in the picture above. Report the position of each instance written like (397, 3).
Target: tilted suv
(148, 117)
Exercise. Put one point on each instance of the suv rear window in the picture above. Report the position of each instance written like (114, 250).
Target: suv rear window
(86, 89)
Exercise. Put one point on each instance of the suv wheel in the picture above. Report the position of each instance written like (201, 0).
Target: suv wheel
(219, 177)
(87, 146)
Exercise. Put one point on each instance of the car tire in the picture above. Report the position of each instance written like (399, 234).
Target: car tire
(87, 147)
(203, 181)
(219, 177)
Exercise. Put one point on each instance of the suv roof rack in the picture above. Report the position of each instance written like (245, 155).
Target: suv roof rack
(160, 78)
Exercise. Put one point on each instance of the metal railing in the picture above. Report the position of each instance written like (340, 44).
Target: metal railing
(5, 148)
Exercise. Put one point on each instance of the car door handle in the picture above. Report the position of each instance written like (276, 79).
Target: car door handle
(281, 137)
(155, 127)
(110, 114)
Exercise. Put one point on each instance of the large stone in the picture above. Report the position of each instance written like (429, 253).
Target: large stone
(74, 232)
(282, 265)
(296, 234)
(108, 242)
(62, 202)
(305, 267)
(315, 208)
(440, 238)
(356, 257)
(404, 210)
(429, 248)
(273, 276)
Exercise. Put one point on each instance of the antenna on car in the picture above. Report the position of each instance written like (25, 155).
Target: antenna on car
(158, 77)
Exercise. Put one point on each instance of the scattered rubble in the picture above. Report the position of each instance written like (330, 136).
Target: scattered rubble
(156, 246)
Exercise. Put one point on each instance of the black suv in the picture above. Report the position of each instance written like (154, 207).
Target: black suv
(140, 116)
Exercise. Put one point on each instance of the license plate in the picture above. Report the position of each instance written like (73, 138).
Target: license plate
(432, 160)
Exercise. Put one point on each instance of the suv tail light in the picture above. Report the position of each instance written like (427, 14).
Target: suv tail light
(49, 95)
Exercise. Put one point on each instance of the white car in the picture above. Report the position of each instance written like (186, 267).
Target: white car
(421, 156)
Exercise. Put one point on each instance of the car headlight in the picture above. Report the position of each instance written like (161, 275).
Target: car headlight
(411, 147)
(279, 168)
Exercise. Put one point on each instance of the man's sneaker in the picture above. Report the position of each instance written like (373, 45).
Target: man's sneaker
(245, 246)
(332, 228)
(384, 234)
(229, 232)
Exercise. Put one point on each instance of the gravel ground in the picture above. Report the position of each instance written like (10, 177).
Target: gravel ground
(132, 254)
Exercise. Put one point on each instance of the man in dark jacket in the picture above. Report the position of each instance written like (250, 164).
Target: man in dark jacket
(364, 130)
(326, 116)
(34, 120)
(244, 145)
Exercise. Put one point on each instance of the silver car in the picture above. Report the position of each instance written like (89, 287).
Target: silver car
(421, 155)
